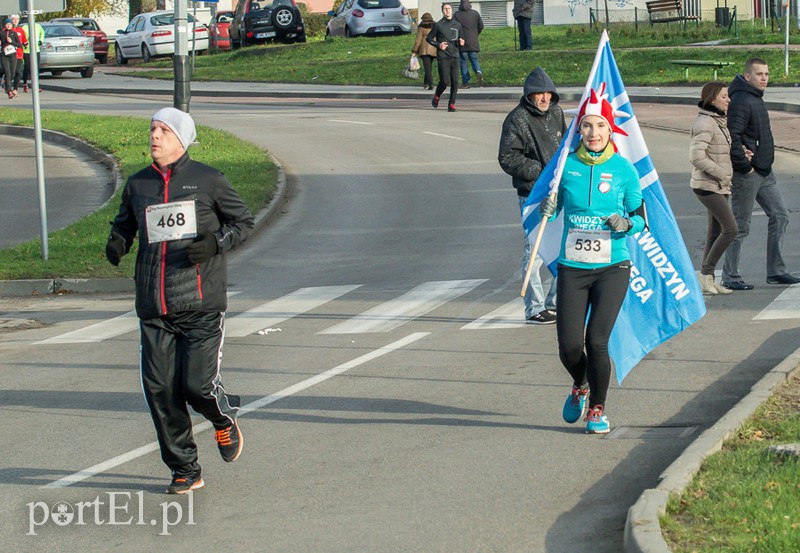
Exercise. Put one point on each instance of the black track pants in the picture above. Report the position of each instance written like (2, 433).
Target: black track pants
(449, 75)
(180, 358)
(604, 290)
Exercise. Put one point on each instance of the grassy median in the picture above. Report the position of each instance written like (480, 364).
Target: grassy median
(78, 250)
(745, 498)
(566, 52)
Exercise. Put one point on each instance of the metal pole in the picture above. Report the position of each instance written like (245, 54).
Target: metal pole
(194, 31)
(37, 128)
(180, 61)
(786, 5)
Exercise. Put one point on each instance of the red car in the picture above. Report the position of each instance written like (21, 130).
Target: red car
(89, 27)
(218, 35)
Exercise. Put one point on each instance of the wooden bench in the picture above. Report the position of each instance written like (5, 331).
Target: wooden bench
(700, 63)
(665, 11)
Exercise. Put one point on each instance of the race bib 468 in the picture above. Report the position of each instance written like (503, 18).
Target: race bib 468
(171, 221)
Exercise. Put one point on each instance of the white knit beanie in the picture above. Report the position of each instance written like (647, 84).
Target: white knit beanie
(180, 123)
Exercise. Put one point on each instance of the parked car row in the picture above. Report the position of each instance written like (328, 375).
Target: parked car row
(73, 43)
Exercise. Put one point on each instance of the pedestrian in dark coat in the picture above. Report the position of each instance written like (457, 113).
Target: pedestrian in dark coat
(523, 13)
(472, 26)
(531, 135)
(752, 155)
(9, 42)
(447, 37)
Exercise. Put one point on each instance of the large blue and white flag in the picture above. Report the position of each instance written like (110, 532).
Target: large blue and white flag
(664, 296)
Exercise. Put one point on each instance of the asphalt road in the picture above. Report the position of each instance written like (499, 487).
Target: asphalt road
(371, 428)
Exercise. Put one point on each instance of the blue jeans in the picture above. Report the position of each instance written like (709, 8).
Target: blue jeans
(534, 299)
(473, 60)
(748, 189)
(525, 34)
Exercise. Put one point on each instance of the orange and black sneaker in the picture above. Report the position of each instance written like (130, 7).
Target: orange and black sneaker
(230, 442)
(182, 483)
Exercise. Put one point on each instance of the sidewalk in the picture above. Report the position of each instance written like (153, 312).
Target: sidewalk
(642, 531)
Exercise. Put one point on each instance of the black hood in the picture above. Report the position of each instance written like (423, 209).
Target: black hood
(539, 81)
(740, 84)
(465, 6)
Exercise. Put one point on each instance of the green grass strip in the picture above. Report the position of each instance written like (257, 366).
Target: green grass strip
(78, 250)
(745, 499)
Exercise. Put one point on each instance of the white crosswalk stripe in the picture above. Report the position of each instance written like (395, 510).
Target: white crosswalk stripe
(382, 318)
(276, 311)
(785, 306)
(415, 303)
(509, 315)
(98, 331)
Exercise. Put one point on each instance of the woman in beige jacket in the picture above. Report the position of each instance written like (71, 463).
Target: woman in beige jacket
(426, 52)
(709, 153)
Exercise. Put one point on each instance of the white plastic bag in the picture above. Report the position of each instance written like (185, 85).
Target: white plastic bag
(411, 74)
(413, 63)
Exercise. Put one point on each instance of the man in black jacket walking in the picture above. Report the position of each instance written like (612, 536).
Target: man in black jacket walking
(187, 215)
(531, 135)
(446, 36)
(752, 155)
(471, 26)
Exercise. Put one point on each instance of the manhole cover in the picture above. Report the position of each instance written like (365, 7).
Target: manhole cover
(651, 432)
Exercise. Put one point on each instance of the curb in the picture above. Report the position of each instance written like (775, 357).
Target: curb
(512, 94)
(642, 527)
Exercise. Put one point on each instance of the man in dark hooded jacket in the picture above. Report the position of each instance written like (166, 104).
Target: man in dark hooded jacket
(446, 36)
(531, 135)
(472, 26)
(752, 155)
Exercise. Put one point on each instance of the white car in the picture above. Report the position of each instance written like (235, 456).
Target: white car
(152, 34)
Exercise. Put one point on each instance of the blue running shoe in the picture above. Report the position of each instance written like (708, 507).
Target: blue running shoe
(575, 404)
(596, 421)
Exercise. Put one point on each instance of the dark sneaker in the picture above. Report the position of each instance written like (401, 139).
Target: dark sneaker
(783, 279)
(737, 285)
(480, 79)
(183, 483)
(230, 442)
(435, 102)
(575, 404)
(596, 421)
(451, 107)
(545, 317)
(465, 85)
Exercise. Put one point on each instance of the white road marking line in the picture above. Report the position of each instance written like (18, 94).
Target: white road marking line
(252, 406)
(122, 324)
(444, 135)
(785, 306)
(393, 313)
(505, 316)
(97, 332)
(350, 122)
(281, 309)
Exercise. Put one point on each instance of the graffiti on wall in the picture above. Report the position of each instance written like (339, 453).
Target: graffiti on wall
(572, 4)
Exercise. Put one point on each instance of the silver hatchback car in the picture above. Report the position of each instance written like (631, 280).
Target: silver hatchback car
(369, 17)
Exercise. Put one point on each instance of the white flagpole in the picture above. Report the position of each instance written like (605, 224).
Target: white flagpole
(562, 159)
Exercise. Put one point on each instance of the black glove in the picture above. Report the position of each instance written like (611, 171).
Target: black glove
(548, 207)
(618, 223)
(115, 248)
(203, 249)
